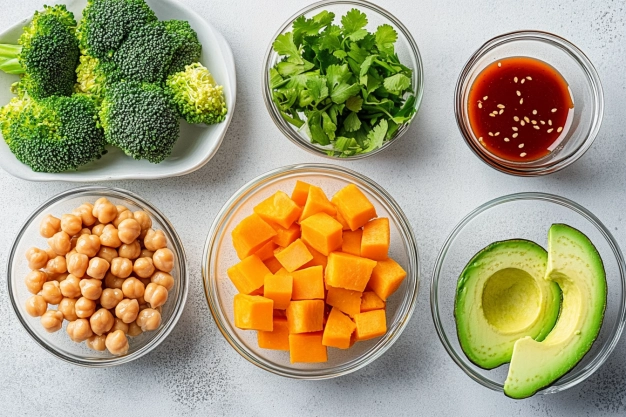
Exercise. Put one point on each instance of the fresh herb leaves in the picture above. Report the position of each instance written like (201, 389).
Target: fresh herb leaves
(342, 84)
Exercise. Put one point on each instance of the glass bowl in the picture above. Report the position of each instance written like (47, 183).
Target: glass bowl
(574, 66)
(406, 49)
(58, 343)
(219, 255)
(525, 216)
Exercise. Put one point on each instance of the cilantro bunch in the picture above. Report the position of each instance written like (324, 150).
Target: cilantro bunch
(344, 86)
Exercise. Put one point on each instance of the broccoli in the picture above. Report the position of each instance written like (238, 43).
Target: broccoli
(93, 76)
(190, 47)
(47, 54)
(107, 23)
(140, 119)
(197, 97)
(54, 134)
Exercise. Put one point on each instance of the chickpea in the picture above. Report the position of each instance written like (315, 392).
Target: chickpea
(127, 310)
(104, 210)
(143, 267)
(154, 239)
(49, 226)
(88, 244)
(131, 250)
(67, 306)
(117, 343)
(70, 287)
(111, 297)
(60, 243)
(69, 254)
(155, 294)
(108, 254)
(36, 306)
(111, 281)
(91, 288)
(101, 321)
(84, 307)
(121, 267)
(52, 320)
(145, 253)
(79, 330)
(120, 325)
(144, 221)
(110, 237)
(51, 292)
(85, 213)
(163, 260)
(84, 231)
(121, 216)
(97, 229)
(134, 329)
(77, 264)
(34, 281)
(98, 268)
(133, 288)
(129, 230)
(96, 342)
(57, 265)
(36, 258)
(149, 319)
(71, 224)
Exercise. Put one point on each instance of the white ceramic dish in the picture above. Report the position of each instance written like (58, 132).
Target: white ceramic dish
(196, 145)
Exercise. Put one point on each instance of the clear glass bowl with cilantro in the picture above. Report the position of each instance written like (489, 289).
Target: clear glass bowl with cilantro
(343, 79)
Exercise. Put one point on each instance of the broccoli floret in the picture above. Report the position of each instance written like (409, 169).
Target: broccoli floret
(197, 97)
(93, 76)
(54, 134)
(190, 47)
(47, 54)
(140, 119)
(107, 23)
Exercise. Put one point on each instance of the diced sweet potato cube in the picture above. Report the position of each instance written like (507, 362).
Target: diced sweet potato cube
(370, 325)
(348, 271)
(307, 347)
(341, 220)
(294, 256)
(248, 275)
(267, 251)
(376, 239)
(284, 237)
(354, 206)
(308, 284)
(352, 242)
(278, 338)
(305, 316)
(253, 312)
(279, 289)
(370, 301)
(347, 301)
(317, 202)
(250, 235)
(322, 232)
(300, 193)
(279, 209)
(386, 278)
(338, 330)
(318, 258)
(273, 265)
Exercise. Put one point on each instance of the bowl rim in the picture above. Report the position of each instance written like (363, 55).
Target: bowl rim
(408, 304)
(288, 130)
(577, 55)
(180, 302)
(616, 331)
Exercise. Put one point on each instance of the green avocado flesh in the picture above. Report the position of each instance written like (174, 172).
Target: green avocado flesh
(501, 297)
(575, 265)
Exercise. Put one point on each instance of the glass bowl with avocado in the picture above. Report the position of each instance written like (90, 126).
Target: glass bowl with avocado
(343, 79)
(527, 294)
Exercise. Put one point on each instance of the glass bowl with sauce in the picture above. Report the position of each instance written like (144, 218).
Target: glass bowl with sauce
(529, 103)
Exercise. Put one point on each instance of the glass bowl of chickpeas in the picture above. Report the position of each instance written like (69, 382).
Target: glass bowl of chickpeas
(97, 276)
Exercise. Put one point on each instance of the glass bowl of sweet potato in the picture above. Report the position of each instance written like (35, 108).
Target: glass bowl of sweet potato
(311, 271)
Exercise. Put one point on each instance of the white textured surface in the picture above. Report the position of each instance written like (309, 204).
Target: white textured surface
(431, 173)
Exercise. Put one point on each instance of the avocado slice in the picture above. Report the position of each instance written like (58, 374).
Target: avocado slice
(501, 297)
(575, 265)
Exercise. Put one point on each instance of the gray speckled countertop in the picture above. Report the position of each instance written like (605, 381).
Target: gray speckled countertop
(431, 173)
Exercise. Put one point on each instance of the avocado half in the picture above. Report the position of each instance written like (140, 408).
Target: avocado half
(501, 297)
(575, 265)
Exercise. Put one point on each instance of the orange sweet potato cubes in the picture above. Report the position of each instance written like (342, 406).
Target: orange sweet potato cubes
(313, 272)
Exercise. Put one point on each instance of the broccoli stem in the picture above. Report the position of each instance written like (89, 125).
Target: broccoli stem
(9, 62)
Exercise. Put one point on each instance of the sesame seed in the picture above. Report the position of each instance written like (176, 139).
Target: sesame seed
(550, 130)
(523, 80)
(480, 105)
(518, 93)
(496, 134)
(534, 111)
(492, 115)
(500, 106)
(550, 122)
(537, 127)
(521, 145)
(526, 119)
(516, 118)
(559, 129)
(514, 129)
(499, 64)
(501, 111)
(523, 123)
(523, 154)
(554, 110)
(485, 98)
(542, 122)
(515, 79)
(490, 134)
(533, 122)
(528, 78)
(521, 101)
(514, 135)
(506, 139)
